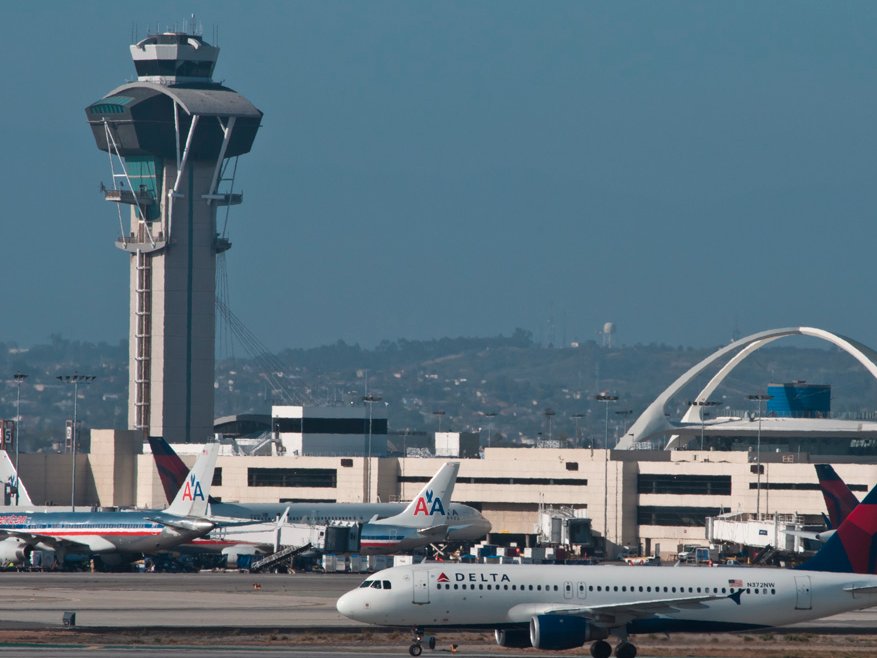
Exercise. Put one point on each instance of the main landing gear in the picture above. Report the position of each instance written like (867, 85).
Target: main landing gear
(602, 649)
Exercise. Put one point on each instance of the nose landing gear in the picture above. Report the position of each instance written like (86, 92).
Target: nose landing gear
(420, 637)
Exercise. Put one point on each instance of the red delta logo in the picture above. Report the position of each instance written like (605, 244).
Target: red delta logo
(428, 505)
(192, 489)
(443, 578)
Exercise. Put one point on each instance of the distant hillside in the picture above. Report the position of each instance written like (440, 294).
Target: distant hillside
(465, 378)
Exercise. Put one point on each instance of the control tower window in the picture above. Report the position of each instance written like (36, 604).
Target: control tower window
(173, 68)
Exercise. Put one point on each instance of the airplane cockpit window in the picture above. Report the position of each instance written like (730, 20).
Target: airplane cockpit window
(376, 584)
(366, 583)
(387, 584)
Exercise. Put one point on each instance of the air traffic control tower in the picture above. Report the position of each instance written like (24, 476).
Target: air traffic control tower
(173, 138)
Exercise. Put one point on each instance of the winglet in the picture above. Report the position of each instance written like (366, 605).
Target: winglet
(735, 596)
(191, 499)
(430, 507)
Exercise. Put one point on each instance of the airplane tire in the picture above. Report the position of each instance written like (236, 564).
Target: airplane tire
(415, 649)
(431, 642)
(601, 649)
(625, 650)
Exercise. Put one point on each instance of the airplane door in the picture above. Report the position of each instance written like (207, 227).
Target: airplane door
(567, 589)
(581, 590)
(803, 597)
(421, 586)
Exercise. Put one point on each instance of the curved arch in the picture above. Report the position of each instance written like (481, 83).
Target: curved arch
(653, 421)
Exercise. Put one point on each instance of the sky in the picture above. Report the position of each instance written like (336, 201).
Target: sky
(686, 170)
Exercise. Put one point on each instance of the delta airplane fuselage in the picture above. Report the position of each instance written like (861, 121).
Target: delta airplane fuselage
(640, 599)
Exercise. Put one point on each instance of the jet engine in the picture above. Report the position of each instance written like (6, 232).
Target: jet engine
(514, 638)
(558, 632)
(14, 551)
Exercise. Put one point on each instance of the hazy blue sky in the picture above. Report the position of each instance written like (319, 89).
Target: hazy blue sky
(465, 168)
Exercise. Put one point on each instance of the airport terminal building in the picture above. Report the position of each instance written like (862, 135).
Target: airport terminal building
(652, 493)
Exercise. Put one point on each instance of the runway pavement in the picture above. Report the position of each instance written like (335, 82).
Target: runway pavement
(204, 599)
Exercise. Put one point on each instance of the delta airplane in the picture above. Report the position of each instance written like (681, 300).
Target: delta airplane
(563, 607)
(115, 537)
(387, 527)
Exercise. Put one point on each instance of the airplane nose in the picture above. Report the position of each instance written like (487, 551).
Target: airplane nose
(345, 606)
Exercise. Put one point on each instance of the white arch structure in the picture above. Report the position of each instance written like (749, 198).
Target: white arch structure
(653, 422)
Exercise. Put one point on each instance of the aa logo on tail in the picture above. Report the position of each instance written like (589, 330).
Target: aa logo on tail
(192, 489)
(429, 505)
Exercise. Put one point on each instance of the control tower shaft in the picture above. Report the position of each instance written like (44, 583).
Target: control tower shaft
(171, 136)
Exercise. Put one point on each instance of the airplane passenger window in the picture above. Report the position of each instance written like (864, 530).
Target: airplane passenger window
(531, 588)
(455, 586)
(723, 590)
(756, 590)
(505, 586)
(481, 587)
(387, 584)
(555, 588)
(488, 587)
(624, 588)
(773, 591)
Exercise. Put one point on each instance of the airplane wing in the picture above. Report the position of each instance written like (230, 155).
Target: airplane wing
(861, 589)
(615, 614)
(55, 543)
(186, 523)
(434, 531)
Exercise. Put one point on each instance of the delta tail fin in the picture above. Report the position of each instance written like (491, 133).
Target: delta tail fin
(853, 546)
(171, 470)
(191, 499)
(839, 500)
(431, 506)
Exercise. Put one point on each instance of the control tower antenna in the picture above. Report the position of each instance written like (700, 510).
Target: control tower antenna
(170, 137)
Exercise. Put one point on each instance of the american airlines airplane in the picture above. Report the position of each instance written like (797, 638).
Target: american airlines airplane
(563, 607)
(386, 527)
(116, 537)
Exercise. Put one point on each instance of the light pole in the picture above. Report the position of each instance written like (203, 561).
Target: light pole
(760, 398)
(606, 399)
(74, 379)
(700, 404)
(438, 414)
(490, 415)
(19, 378)
(549, 414)
(369, 400)
(577, 418)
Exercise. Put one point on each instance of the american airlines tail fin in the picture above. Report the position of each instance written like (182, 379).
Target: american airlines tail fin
(171, 470)
(431, 506)
(191, 499)
(10, 479)
(853, 547)
(839, 500)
